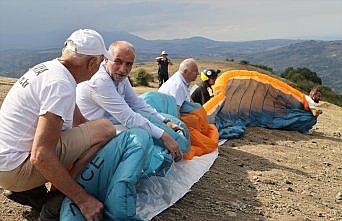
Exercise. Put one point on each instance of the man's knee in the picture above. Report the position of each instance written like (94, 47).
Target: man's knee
(109, 130)
(101, 130)
(143, 138)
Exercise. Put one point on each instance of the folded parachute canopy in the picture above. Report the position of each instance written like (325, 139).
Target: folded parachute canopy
(248, 98)
(112, 174)
(203, 136)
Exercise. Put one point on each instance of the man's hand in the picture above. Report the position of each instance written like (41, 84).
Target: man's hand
(316, 113)
(175, 127)
(171, 145)
(91, 208)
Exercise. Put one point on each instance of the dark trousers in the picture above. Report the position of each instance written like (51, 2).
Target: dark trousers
(162, 77)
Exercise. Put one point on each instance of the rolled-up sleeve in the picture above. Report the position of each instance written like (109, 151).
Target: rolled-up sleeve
(105, 95)
(138, 104)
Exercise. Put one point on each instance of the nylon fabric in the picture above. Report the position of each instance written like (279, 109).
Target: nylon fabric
(248, 98)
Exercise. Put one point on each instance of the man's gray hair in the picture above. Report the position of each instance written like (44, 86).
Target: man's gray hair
(187, 64)
(126, 44)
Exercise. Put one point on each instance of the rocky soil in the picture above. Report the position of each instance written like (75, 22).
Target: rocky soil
(265, 175)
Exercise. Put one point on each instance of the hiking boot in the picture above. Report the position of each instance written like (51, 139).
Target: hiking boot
(35, 198)
(51, 209)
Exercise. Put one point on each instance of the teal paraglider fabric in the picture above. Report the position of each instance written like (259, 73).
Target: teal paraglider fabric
(163, 103)
(160, 159)
(111, 176)
(113, 173)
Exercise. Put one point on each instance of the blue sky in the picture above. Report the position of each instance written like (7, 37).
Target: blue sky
(236, 20)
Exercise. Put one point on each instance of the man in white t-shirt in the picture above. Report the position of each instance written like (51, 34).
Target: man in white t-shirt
(43, 133)
(109, 94)
(178, 85)
(313, 99)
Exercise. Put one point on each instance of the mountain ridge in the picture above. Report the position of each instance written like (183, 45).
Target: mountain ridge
(323, 57)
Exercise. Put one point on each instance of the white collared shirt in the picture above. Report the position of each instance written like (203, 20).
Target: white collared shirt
(311, 103)
(177, 87)
(101, 98)
(47, 87)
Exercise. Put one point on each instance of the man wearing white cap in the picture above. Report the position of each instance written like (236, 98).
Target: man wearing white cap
(42, 132)
(163, 67)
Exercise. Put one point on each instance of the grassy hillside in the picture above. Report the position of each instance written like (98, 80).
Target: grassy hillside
(323, 57)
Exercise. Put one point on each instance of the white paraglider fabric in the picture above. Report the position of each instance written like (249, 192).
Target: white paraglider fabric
(155, 194)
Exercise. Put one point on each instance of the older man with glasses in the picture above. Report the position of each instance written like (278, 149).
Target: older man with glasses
(109, 94)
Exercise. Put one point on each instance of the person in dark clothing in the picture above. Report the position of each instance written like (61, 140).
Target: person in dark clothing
(163, 67)
(201, 94)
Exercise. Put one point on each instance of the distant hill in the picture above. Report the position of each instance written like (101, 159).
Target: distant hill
(323, 57)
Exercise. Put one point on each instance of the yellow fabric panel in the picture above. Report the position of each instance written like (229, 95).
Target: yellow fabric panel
(213, 103)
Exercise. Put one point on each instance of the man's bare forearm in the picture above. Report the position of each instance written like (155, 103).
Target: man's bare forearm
(53, 171)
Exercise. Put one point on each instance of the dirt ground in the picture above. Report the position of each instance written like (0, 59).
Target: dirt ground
(265, 175)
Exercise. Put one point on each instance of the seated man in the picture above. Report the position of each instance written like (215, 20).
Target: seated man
(313, 99)
(109, 94)
(178, 85)
(37, 141)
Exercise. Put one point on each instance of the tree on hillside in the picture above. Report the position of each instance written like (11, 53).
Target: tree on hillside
(301, 75)
(305, 79)
(244, 62)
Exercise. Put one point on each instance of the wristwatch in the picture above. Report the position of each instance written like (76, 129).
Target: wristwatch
(166, 121)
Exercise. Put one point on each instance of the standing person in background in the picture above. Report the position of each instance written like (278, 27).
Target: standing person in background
(201, 94)
(163, 67)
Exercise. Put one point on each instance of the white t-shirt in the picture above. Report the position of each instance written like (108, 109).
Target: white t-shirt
(100, 97)
(311, 103)
(177, 87)
(47, 87)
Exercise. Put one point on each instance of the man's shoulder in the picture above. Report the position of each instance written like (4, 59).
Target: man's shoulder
(311, 103)
(101, 79)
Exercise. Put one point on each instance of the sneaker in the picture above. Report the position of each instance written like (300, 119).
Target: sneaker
(35, 198)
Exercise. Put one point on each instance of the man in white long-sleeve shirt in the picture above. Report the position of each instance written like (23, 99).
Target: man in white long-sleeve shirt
(178, 85)
(109, 94)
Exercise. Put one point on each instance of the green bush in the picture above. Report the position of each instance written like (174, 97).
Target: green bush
(264, 67)
(244, 62)
(142, 78)
(300, 74)
(305, 79)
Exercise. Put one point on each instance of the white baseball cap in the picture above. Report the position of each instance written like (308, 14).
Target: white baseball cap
(164, 52)
(87, 42)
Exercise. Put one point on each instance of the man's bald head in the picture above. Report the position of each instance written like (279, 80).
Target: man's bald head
(121, 45)
(189, 69)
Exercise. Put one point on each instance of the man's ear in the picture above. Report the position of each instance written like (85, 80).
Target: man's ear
(92, 63)
(105, 60)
